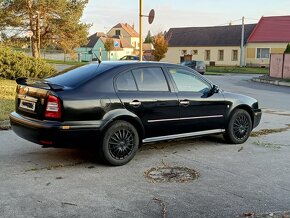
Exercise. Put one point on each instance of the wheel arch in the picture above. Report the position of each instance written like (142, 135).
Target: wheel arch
(130, 118)
(246, 108)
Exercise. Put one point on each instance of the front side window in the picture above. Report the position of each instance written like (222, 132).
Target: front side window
(263, 53)
(186, 81)
(150, 79)
(221, 55)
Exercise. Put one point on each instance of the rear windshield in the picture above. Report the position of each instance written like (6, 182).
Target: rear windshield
(79, 75)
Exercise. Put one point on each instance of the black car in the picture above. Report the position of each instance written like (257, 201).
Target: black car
(199, 66)
(117, 106)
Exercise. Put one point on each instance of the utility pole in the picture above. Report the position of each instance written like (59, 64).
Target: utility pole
(140, 32)
(242, 43)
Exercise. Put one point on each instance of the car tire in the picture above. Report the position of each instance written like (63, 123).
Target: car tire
(120, 143)
(239, 127)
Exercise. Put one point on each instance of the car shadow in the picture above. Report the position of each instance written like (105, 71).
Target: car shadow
(54, 158)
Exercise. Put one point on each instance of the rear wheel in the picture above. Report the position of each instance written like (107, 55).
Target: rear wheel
(120, 143)
(239, 127)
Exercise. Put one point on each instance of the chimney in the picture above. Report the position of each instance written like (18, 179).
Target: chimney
(133, 26)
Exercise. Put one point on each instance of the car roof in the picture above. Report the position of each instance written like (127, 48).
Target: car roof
(132, 63)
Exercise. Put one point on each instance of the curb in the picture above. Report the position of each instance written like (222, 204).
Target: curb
(271, 81)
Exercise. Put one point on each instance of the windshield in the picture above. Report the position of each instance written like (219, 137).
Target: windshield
(200, 63)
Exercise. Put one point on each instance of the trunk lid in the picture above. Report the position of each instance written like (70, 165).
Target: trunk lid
(31, 97)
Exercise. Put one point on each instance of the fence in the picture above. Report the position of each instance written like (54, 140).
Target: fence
(48, 54)
(280, 66)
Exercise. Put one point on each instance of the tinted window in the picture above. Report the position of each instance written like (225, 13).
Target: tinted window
(186, 81)
(79, 75)
(150, 79)
(125, 82)
(200, 63)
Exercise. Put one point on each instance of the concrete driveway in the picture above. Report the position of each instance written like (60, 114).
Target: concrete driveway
(234, 180)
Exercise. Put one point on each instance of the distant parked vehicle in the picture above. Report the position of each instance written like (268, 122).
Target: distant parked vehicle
(199, 66)
(131, 58)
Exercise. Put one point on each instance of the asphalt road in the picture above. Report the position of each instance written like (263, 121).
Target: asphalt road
(234, 179)
(269, 96)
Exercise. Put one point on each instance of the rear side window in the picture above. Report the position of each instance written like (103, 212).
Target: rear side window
(77, 76)
(150, 79)
(126, 82)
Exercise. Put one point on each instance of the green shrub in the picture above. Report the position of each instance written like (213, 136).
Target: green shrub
(287, 51)
(15, 64)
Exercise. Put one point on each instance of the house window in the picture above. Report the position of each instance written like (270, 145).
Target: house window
(207, 55)
(234, 55)
(220, 55)
(194, 52)
(263, 53)
(117, 32)
(183, 52)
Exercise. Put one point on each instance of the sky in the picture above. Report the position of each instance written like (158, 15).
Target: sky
(103, 15)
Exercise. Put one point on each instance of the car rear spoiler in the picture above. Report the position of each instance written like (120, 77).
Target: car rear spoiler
(51, 86)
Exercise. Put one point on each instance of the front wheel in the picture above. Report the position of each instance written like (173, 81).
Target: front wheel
(120, 143)
(239, 127)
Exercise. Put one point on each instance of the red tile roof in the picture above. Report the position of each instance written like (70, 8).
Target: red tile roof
(272, 29)
(121, 43)
(129, 29)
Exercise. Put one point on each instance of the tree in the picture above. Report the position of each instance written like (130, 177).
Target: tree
(160, 46)
(109, 46)
(53, 22)
(287, 50)
(148, 38)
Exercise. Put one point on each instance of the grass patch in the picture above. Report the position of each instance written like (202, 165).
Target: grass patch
(65, 62)
(246, 70)
(263, 132)
(7, 98)
(214, 73)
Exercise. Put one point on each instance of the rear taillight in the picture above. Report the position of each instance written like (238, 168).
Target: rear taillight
(53, 108)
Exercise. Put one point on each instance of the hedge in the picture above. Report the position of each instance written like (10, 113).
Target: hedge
(15, 64)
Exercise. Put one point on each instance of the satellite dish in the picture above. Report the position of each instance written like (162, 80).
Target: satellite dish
(151, 16)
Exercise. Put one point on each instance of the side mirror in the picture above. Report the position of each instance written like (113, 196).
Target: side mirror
(215, 89)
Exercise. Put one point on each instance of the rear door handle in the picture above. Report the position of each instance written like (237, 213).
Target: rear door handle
(135, 103)
(184, 102)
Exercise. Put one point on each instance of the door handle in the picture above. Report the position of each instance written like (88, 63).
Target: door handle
(135, 103)
(184, 102)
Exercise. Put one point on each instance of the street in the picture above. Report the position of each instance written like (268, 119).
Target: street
(234, 180)
(269, 96)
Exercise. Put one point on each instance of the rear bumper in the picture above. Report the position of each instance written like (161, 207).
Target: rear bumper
(55, 133)
(257, 117)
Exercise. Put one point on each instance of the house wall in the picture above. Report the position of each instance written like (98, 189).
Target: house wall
(87, 54)
(174, 53)
(126, 36)
(251, 52)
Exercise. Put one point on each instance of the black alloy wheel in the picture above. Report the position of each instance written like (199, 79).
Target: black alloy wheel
(120, 143)
(239, 127)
